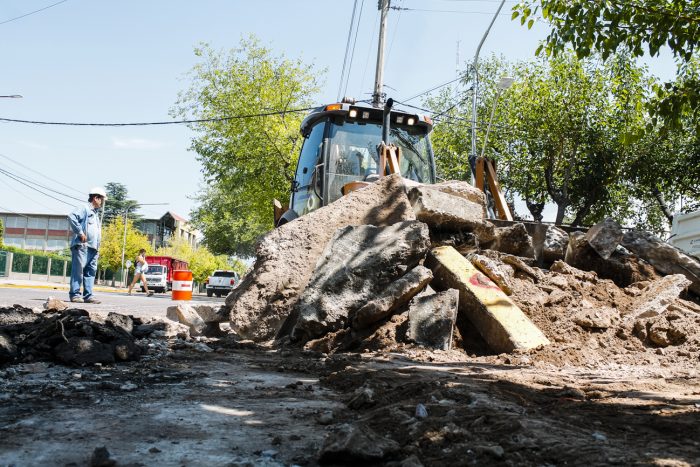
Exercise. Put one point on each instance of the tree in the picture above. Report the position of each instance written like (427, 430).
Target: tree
(202, 262)
(607, 26)
(113, 241)
(561, 134)
(248, 145)
(118, 202)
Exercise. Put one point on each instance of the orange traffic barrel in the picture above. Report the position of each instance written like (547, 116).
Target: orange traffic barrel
(182, 285)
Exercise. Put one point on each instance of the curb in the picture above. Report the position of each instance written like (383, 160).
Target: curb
(54, 287)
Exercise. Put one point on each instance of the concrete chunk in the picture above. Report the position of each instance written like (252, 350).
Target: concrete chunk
(604, 237)
(513, 240)
(500, 322)
(185, 314)
(463, 190)
(657, 296)
(431, 319)
(664, 257)
(286, 257)
(445, 211)
(357, 264)
(397, 294)
(555, 243)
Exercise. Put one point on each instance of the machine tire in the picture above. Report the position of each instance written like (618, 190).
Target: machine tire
(210, 293)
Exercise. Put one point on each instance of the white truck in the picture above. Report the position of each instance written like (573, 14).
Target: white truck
(685, 233)
(221, 282)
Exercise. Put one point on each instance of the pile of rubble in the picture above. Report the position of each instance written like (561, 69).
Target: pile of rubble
(395, 266)
(72, 336)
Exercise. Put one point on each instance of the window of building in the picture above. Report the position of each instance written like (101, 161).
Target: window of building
(55, 244)
(14, 241)
(58, 224)
(16, 222)
(35, 243)
(37, 223)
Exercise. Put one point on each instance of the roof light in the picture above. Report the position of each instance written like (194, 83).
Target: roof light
(365, 114)
(353, 113)
(399, 119)
(411, 121)
(334, 107)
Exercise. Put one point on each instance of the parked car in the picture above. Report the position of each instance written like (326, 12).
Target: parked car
(221, 282)
(160, 272)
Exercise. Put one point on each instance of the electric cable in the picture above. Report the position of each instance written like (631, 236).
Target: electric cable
(369, 49)
(426, 10)
(27, 197)
(7, 172)
(354, 43)
(431, 89)
(347, 48)
(39, 173)
(35, 189)
(393, 36)
(32, 12)
(174, 122)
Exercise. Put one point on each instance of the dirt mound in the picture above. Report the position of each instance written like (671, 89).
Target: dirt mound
(70, 337)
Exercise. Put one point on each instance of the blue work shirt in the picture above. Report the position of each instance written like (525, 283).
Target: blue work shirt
(84, 219)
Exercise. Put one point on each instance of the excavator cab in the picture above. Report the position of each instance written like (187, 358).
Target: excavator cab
(341, 146)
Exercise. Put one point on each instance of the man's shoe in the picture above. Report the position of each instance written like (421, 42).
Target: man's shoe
(149, 293)
(91, 300)
(77, 299)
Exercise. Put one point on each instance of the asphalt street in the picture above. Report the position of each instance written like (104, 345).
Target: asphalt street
(137, 304)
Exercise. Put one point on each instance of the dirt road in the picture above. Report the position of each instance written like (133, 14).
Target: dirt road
(248, 406)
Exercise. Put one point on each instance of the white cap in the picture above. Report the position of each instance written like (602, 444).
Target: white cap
(98, 190)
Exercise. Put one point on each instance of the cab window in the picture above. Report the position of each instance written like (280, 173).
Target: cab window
(304, 199)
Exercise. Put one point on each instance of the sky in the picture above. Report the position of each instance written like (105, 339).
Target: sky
(109, 61)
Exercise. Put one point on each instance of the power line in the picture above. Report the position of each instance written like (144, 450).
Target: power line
(27, 197)
(175, 122)
(426, 10)
(39, 173)
(7, 172)
(347, 48)
(33, 188)
(32, 12)
(430, 90)
(354, 43)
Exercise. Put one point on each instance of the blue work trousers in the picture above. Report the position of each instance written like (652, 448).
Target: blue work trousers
(82, 270)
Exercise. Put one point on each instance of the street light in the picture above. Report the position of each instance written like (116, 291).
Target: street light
(502, 85)
(126, 214)
(12, 96)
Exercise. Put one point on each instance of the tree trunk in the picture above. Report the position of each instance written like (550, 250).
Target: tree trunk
(561, 211)
(662, 203)
(535, 209)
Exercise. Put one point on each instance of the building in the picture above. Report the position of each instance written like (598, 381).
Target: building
(51, 232)
(48, 232)
(160, 231)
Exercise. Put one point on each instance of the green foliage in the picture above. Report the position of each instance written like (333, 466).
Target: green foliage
(246, 161)
(202, 262)
(2, 231)
(63, 255)
(573, 132)
(113, 243)
(117, 202)
(638, 27)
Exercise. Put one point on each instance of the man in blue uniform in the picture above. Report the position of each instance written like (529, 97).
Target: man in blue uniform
(87, 233)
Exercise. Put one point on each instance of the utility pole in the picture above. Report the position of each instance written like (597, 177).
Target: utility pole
(378, 95)
(472, 153)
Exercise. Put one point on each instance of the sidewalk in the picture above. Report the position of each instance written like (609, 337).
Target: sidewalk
(26, 284)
